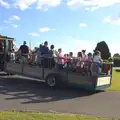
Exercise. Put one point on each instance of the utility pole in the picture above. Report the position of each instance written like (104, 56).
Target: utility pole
(30, 44)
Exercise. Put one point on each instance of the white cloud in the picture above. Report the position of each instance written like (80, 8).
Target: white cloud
(24, 4)
(14, 17)
(46, 29)
(4, 4)
(91, 4)
(113, 20)
(34, 34)
(3, 27)
(7, 21)
(41, 4)
(15, 26)
(83, 24)
(91, 9)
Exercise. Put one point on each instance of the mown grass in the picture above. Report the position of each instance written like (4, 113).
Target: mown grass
(45, 116)
(115, 81)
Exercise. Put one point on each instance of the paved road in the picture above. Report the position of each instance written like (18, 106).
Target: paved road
(23, 94)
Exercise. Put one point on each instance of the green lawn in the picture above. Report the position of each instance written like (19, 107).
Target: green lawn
(115, 81)
(41, 116)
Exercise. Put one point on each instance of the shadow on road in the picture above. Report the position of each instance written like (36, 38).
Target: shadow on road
(35, 92)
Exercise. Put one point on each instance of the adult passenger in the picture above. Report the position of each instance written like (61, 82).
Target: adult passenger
(24, 51)
(52, 54)
(44, 53)
(39, 55)
(97, 60)
(44, 49)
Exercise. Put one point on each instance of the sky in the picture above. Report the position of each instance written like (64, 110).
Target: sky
(72, 25)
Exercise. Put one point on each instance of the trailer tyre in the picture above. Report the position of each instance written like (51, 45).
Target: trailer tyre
(53, 80)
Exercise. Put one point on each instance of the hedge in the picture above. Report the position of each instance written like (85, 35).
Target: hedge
(116, 61)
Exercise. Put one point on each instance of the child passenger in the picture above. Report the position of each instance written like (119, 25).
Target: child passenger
(12, 55)
(88, 63)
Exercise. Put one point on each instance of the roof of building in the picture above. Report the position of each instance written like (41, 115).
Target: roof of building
(5, 38)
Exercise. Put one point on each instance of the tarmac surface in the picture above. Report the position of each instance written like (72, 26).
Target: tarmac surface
(26, 95)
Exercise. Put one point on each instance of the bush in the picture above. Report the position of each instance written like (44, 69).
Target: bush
(116, 61)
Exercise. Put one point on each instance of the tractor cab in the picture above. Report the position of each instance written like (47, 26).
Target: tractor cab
(6, 45)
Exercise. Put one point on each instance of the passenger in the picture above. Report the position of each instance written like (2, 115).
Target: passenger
(85, 57)
(65, 60)
(97, 60)
(70, 61)
(52, 54)
(60, 59)
(90, 59)
(39, 55)
(44, 49)
(88, 63)
(71, 56)
(44, 53)
(79, 66)
(12, 55)
(67, 55)
(79, 59)
(24, 51)
(108, 67)
(34, 56)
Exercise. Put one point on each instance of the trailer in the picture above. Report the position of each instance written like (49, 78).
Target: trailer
(52, 74)
(57, 77)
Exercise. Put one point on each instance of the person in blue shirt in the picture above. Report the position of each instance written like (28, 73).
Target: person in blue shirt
(45, 52)
(44, 49)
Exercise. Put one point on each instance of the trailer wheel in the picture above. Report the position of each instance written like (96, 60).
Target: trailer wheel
(51, 80)
(54, 80)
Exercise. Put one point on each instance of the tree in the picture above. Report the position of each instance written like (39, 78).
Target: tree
(103, 48)
(116, 55)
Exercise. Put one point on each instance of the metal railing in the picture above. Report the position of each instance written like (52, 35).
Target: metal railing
(68, 64)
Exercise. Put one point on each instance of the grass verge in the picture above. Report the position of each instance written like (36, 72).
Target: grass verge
(46, 116)
(115, 81)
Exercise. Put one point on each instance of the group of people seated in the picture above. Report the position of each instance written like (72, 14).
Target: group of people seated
(50, 58)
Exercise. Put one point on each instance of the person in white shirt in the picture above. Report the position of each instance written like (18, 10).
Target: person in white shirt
(12, 55)
(97, 57)
(84, 55)
(97, 60)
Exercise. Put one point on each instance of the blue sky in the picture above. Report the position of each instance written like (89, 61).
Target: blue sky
(70, 24)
